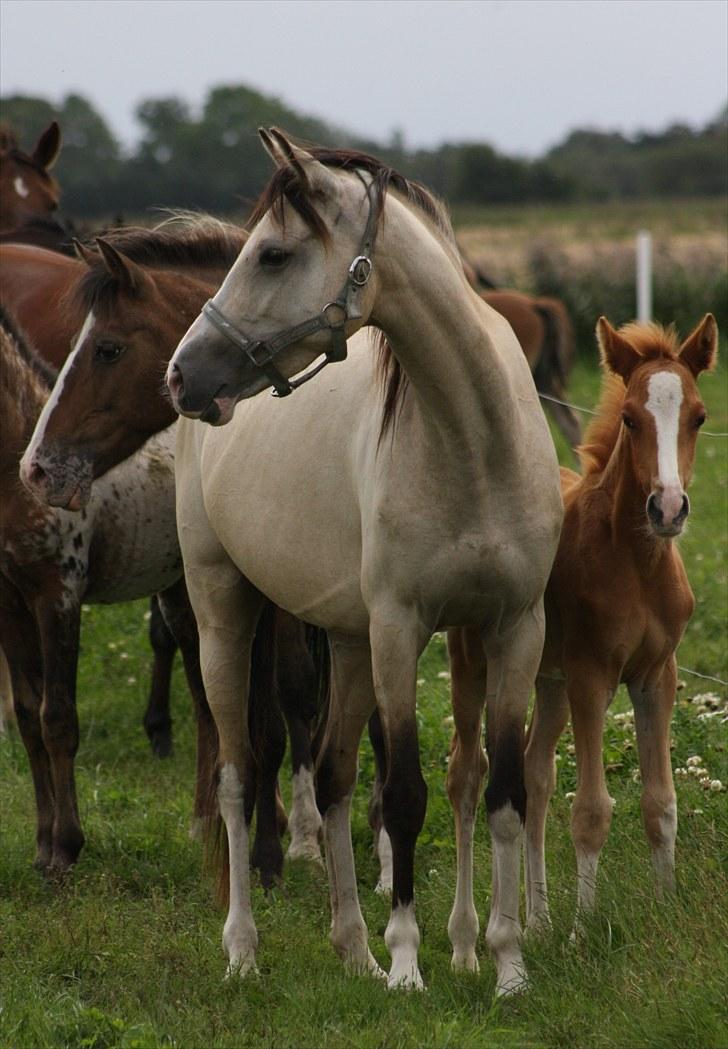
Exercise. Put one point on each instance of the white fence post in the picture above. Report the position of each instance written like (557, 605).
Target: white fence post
(644, 276)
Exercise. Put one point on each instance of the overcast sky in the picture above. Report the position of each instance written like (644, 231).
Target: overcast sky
(517, 73)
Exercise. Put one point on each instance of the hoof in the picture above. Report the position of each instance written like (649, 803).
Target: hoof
(409, 980)
(305, 850)
(465, 963)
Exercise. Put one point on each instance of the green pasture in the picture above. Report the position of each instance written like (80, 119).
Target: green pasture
(127, 953)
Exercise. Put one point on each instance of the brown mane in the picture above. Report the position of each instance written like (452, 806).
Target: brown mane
(652, 342)
(181, 241)
(285, 185)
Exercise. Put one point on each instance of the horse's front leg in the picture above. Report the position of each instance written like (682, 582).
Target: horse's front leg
(351, 703)
(465, 773)
(396, 643)
(227, 608)
(59, 629)
(513, 659)
(653, 705)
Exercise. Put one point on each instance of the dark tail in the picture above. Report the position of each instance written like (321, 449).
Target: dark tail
(554, 365)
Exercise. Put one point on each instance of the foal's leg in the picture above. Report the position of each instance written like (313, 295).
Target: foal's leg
(550, 715)
(157, 721)
(465, 774)
(352, 699)
(396, 642)
(513, 659)
(591, 812)
(653, 710)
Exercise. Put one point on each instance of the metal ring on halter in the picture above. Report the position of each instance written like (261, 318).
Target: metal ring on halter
(361, 262)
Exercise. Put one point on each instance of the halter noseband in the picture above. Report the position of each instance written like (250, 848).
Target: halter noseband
(332, 318)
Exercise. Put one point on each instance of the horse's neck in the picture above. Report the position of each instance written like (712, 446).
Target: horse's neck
(628, 523)
(462, 362)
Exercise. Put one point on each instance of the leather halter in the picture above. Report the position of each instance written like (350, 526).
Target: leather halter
(332, 318)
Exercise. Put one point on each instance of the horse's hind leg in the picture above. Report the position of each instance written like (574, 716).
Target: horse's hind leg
(513, 659)
(352, 700)
(157, 720)
(550, 715)
(653, 711)
(174, 604)
(397, 639)
(298, 690)
(465, 774)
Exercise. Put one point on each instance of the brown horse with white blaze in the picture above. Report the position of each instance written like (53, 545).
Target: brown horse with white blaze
(28, 191)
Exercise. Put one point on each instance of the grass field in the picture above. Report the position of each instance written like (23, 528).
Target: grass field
(127, 952)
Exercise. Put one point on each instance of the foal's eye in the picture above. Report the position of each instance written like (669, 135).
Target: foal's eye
(699, 420)
(108, 352)
(629, 422)
(274, 257)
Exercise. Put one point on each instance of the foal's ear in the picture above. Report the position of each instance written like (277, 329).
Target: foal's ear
(700, 349)
(128, 274)
(617, 354)
(48, 147)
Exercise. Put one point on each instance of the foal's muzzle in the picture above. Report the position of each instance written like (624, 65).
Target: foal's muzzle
(667, 513)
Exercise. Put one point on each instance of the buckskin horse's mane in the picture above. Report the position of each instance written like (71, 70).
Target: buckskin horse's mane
(651, 342)
(285, 185)
(184, 240)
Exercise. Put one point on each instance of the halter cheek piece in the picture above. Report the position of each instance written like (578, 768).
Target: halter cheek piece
(332, 318)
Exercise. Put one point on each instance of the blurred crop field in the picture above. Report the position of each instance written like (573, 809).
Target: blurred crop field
(127, 951)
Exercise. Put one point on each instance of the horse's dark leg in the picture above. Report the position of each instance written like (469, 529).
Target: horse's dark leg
(21, 645)
(298, 689)
(59, 637)
(179, 618)
(382, 842)
(351, 703)
(157, 720)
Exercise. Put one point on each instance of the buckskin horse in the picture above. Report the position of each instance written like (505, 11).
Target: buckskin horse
(381, 515)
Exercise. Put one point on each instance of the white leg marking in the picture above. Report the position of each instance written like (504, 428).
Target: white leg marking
(348, 930)
(463, 926)
(304, 822)
(403, 940)
(504, 928)
(384, 852)
(664, 400)
(240, 937)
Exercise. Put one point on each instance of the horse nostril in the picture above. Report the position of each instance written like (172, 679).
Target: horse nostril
(684, 509)
(653, 510)
(175, 383)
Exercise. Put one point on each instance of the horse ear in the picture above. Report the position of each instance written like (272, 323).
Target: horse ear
(84, 253)
(617, 354)
(128, 274)
(311, 172)
(700, 349)
(48, 147)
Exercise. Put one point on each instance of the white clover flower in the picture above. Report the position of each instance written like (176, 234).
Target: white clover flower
(123, 655)
(681, 772)
(147, 616)
(420, 682)
(694, 760)
(716, 785)
(85, 608)
(131, 680)
(112, 645)
(570, 795)
(444, 675)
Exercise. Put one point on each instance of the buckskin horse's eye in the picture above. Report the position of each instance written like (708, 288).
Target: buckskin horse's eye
(108, 352)
(274, 257)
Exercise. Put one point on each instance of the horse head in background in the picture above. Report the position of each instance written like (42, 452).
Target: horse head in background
(27, 189)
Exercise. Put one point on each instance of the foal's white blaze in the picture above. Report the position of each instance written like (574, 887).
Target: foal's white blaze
(304, 822)
(664, 401)
(40, 427)
(20, 187)
(240, 937)
(403, 940)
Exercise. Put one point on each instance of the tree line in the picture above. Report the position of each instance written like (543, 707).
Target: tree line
(213, 161)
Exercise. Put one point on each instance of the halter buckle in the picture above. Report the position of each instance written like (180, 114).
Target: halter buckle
(360, 270)
(259, 353)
